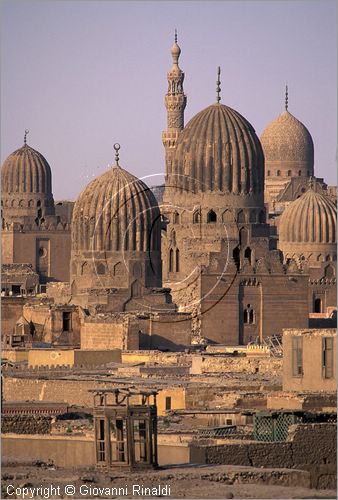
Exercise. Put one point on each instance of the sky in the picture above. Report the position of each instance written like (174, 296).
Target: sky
(82, 75)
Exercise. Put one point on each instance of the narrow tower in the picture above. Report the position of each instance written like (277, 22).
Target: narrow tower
(175, 102)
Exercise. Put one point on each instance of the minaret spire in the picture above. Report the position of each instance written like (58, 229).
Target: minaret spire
(218, 83)
(175, 102)
(286, 97)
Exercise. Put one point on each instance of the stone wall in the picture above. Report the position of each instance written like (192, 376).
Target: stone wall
(26, 424)
(11, 310)
(310, 447)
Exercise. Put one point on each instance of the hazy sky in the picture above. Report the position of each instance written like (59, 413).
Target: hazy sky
(81, 75)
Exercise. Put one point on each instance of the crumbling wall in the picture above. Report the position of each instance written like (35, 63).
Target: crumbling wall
(26, 424)
(311, 447)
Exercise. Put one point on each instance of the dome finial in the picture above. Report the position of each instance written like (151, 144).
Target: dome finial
(25, 137)
(175, 35)
(286, 97)
(311, 183)
(218, 88)
(117, 156)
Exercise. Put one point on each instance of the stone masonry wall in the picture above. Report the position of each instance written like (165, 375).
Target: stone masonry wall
(26, 424)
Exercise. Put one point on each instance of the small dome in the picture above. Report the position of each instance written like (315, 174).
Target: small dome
(26, 171)
(219, 151)
(312, 218)
(287, 145)
(26, 185)
(116, 212)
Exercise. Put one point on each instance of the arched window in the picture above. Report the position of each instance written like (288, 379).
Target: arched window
(177, 260)
(176, 218)
(329, 271)
(241, 216)
(317, 305)
(299, 173)
(38, 204)
(289, 173)
(268, 173)
(248, 315)
(101, 268)
(278, 173)
(197, 217)
(328, 258)
(247, 254)
(118, 269)
(236, 257)
(212, 217)
(171, 260)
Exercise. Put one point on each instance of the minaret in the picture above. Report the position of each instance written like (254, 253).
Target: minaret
(175, 102)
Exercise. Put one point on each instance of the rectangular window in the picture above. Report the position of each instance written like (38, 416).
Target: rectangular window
(66, 321)
(297, 356)
(168, 403)
(327, 364)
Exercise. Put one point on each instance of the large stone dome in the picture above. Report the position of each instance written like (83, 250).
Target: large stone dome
(218, 151)
(116, 211)
(26, 183)
(288, 147)
(308, 226)
(116, 233)
(312, 218)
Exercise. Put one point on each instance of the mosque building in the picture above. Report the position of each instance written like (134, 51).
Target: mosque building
(215, 261)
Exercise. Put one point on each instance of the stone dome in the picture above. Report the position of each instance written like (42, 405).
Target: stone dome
(311, 219)
(116, 212)
(288, 147)
(219, 151)
(26, 183)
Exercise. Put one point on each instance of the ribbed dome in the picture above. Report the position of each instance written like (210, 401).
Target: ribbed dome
(312, 218)
(116, 212)
(26, 171)
(288, 144)
(218, 151)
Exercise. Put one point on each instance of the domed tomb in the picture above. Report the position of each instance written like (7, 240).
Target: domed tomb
(116, 232)
(288, 148)
(218, 152)
(26, 185)
(308, 227)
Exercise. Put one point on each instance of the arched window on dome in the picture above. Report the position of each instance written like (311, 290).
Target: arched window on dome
(196, 217)
(241, 216)
(329, 271)
(177, 267)
(212, 217)
(289, 173)
(227, 216)
(101, 268)
(171, 260)
(278, 173)
(119, 269)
